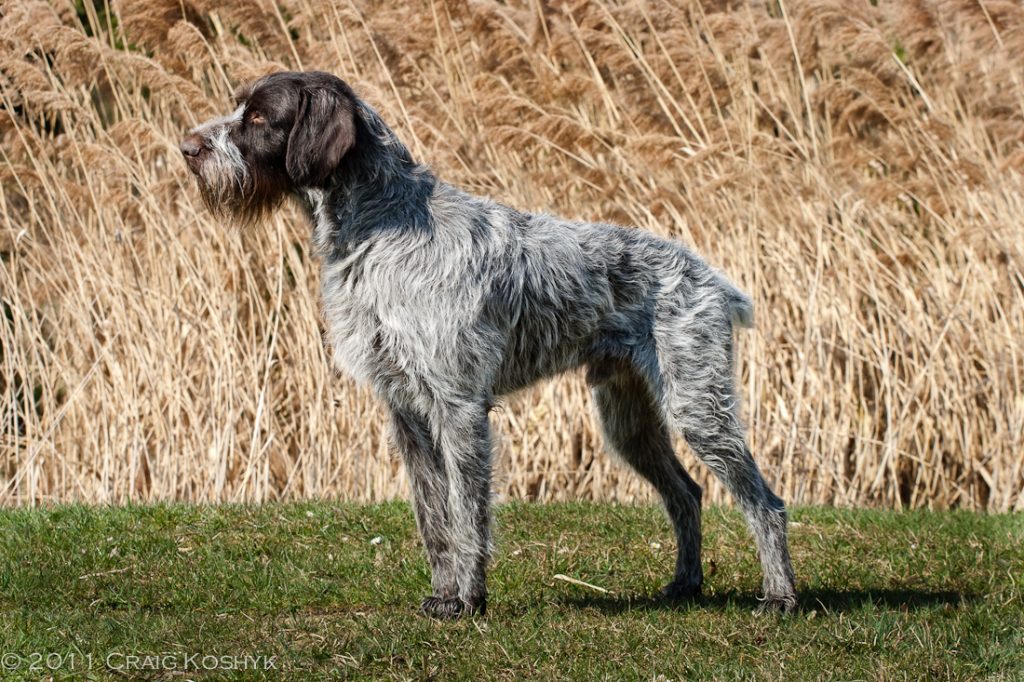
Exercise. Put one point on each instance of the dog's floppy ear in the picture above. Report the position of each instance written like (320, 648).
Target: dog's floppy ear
(324, 130)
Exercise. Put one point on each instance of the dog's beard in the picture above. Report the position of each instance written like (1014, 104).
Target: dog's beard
(232, 190)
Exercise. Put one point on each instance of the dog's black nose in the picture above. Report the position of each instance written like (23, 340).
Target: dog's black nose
(191, 145)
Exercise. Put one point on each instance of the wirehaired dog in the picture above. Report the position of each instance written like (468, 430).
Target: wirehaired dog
(444, 301)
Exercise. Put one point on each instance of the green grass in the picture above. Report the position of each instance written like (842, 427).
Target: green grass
(884, 596)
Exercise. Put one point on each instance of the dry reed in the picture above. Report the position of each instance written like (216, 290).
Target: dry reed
(858, 169)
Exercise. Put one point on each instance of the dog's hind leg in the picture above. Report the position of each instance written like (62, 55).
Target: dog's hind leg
(635, 430)
(701, 402)
(719, 443)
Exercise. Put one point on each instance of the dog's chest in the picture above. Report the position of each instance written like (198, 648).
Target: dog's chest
(351, 319)
(349, 315)
(374, 324)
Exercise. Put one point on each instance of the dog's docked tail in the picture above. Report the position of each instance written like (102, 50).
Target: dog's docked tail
(741, 308)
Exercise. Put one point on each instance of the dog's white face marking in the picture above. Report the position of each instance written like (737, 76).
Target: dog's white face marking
(224, 172)
(207, 127)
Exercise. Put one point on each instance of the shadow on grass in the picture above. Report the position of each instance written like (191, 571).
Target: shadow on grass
(810, 600)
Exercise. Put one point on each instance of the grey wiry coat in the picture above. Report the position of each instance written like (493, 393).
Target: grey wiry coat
(443, 301)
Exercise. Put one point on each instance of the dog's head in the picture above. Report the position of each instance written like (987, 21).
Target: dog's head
(289, 131)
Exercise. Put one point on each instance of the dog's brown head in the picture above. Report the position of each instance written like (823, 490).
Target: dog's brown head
(289, 131)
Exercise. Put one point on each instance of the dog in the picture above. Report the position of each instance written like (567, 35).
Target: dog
(443, 302)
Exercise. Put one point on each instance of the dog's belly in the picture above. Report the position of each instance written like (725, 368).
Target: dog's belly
(528, 360)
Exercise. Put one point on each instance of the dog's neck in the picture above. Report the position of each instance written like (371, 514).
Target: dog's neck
(377, 187)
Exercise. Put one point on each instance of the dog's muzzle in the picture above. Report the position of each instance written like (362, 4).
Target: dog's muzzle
(193, 149)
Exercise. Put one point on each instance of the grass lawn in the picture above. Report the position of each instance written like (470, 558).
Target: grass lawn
(330, 590)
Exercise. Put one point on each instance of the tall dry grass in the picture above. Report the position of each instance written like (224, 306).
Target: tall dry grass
(857, 168)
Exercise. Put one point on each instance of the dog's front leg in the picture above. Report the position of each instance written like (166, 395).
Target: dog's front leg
(462, 433)
(429, 483)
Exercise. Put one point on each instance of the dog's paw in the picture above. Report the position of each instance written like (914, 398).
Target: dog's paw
(781, 603)
(442, 608)
(679, 590)
(451, 608)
